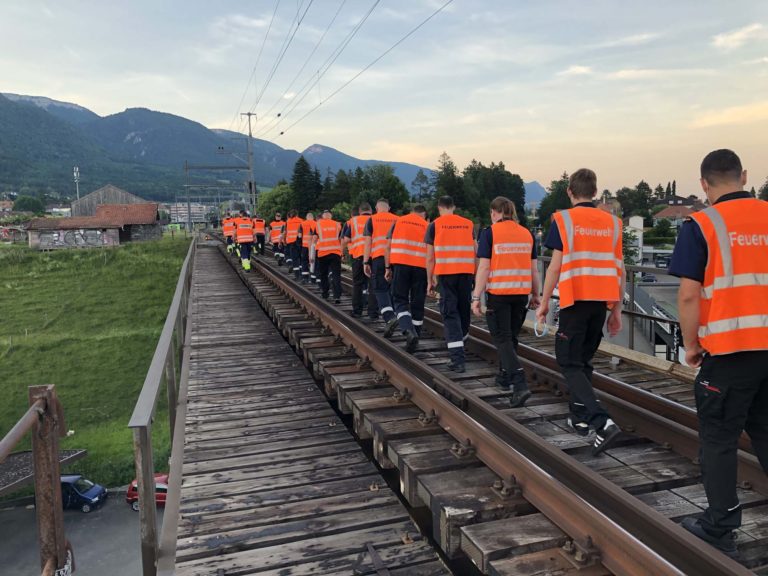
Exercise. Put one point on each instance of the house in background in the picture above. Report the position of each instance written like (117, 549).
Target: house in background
(109, 194)
(675, 214)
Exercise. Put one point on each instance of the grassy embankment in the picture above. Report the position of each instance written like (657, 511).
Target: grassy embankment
(87, 321)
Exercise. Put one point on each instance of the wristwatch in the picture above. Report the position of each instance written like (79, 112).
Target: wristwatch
(475, 298)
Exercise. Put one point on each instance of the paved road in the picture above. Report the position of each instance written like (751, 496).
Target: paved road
(105, 542)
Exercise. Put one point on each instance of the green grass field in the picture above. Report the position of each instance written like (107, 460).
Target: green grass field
(87, 321)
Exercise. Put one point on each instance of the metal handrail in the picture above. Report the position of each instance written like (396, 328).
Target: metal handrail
(45, 419)
(168, 353)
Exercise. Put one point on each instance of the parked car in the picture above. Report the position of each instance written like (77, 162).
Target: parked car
(79, 492)
(161, 491)
(648, 277)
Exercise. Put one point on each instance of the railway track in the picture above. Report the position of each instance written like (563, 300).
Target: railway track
(607, 513)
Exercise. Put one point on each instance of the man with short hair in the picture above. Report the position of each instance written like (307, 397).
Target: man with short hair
(721, 257)
(451, 249)
(376, 230)
(587, 262)
(353, 239)
(405, 262)
(328, 253)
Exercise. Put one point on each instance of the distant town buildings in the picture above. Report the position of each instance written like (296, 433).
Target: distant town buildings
(179, 213)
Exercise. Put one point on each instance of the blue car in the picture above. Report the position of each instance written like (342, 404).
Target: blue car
(79, 492)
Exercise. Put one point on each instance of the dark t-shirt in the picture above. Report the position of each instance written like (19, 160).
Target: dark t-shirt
(485, 244)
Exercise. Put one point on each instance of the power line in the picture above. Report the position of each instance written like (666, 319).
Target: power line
(282, 54)
(356, 76)
(253, 72)
(296, 77)
(308, 85)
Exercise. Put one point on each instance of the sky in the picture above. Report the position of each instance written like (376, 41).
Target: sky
(633, 89)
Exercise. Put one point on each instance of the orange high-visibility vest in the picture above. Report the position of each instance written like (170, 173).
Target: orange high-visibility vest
(454, 245)
(510, 271)
(292, 229)
(244, 230)
(259, 226)
(733, 314)
(328, 241)
(275, 229)
(382, 223)
(592, 255)
(308, 228)
(356, 234)
(408, 246)
(228, 226)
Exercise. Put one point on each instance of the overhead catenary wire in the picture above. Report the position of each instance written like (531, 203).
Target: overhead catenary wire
(377, 59)
(309, 84)
(255, 66)
(282, 53)
(311, 54)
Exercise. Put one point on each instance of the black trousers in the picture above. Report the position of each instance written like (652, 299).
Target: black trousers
(455, 304)
(505, 317)
(359, 286)
(245, 250)
(731, 396)
(294, 257)
(305, 264)
(576, 341)
(409, 291)
(230, 240)
(381, 289)
(260, 243)
(330, 263)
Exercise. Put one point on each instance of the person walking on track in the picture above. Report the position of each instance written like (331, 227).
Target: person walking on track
(353, 238)
(308, 227)
(292, 243)
(406, 268)
(588, 264)
(276, 228)
(721, 257)
(376, 230)
(244, 237)
(507, 271)
(228, 228)
(327, 244)
(451, 251)
(259, 231)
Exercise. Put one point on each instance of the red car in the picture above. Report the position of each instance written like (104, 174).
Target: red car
(161, 490)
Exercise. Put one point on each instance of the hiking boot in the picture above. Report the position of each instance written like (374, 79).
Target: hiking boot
(457, 366)
(725, 543)
(337, 300)
(606, 436)
(503, 380)
(519, 398)
(411, 341)
(577, 427)
(390, 329)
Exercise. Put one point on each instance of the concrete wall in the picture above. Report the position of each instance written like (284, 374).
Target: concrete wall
(54, 239)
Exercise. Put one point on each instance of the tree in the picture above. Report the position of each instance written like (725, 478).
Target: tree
(629, 246)
(447, 182)
(421, 187)
(668, 191)
(557, 199)
(28, 204)
(752, 192)
(661, 233)
(763, 192)
(674, 188)
(305, 184)
(279, 199)
(606, 196)
(635, 201)
(658, 192)
(387, 185)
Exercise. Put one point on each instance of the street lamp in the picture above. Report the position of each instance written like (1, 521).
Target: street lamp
(76, 174)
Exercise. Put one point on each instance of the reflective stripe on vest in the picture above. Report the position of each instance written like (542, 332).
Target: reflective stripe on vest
(292, 229)
(382, 223)
(328, 238)
(733, 312)
(244, 230)
(259, 226)
(510, 266)
(357, 235)
(592, 256)
(228, 227)
(408, 246)
(454, 245)
(275, 229)
(308, 228)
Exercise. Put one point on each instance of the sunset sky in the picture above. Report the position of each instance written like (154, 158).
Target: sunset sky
(635, 90)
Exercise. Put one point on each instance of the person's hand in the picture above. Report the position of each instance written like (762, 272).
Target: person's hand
(388, 275)
(476, 308)
(535, 301)
(694, 354)
(431, 285)
(541, 313)
(614, 323)
(367, 270)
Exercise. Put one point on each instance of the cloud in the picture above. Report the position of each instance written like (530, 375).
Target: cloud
(233, 23)
(728, 41)
(652, 73)
(745, 114)
(632, 40)
(763, 60)
(289, 95)
(576, 70)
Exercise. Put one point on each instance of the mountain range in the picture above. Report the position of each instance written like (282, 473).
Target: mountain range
(144, 151)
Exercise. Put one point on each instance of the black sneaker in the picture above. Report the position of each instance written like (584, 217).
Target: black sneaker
(411, 341)
(337, 300)
(356, 314)
(519, 399)
(605, 437)
(457, 367)
(390, 329)
(725, 543)
(503, 380)
(578, 427)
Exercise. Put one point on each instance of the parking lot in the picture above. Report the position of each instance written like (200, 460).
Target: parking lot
(105, 541)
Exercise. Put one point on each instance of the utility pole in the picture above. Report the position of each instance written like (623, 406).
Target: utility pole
(251, 182)
(76, 174)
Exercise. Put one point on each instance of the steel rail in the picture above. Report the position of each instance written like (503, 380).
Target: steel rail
(631, 537)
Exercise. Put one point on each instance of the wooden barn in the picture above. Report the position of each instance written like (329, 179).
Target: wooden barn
(109, 194)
